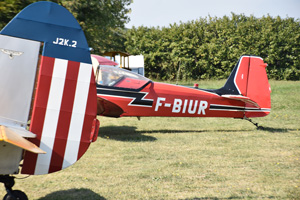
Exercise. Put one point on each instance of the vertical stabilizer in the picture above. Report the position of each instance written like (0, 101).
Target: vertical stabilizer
(248, 82)
(65, 102)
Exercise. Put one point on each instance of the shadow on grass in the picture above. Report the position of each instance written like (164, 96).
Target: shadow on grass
(131, 134)
(273, 130)
(124, 133)
(79, 194)
(232, 197)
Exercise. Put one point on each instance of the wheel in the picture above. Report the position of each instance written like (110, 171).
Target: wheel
(16, 195)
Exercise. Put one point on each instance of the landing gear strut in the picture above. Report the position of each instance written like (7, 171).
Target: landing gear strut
(9, 182)
(256, 124)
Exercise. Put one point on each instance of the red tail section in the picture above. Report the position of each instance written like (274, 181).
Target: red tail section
(248, 82)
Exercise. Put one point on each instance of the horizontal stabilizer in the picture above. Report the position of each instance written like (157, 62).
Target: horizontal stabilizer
(12, 136)
(241, 98)
(22, 132)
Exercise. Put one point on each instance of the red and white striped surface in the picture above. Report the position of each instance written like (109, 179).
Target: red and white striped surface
(63, 114)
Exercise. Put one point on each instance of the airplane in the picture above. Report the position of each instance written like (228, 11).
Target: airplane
(246, 94)
(48, 102)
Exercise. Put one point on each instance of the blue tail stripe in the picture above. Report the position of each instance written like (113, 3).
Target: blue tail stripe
(55, 26)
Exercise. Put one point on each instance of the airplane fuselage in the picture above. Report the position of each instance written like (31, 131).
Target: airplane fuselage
(161, 99)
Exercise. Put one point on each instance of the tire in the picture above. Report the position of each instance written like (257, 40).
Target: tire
(16, 195)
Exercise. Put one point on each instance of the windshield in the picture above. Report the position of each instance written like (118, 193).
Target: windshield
(117, 77)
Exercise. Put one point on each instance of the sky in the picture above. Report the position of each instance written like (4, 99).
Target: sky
(165, 12)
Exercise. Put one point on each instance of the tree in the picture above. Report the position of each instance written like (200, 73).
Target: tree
(103, 22)
(9, 8)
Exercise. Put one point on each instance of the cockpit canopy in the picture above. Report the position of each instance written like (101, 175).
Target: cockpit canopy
(121, 78)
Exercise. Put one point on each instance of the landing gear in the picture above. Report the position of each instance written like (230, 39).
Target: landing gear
(9, 182)
(249, 120)
(256, 124)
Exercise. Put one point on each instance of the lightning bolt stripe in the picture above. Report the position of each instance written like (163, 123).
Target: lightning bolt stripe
(138, 97)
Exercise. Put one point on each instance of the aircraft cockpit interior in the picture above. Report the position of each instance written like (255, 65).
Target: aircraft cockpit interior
(117, 77)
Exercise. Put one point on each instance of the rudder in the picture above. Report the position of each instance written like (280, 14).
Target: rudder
(258, 87)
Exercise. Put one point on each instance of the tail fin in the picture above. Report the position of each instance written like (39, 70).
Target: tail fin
(248, 82)
(64, 108)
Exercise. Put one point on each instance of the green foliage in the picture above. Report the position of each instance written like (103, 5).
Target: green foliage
(210, 47)
(102, 20)
(9, 8)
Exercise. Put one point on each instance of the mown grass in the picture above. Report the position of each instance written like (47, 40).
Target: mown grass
(186, 158)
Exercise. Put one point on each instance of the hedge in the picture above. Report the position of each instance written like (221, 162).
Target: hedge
(209, 48)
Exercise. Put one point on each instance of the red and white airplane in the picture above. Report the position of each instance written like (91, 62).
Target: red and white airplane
(48, 102)
(246, 94)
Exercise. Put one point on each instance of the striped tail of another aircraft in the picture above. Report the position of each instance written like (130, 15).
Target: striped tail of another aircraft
(64, 103)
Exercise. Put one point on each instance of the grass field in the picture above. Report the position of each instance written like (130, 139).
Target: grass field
(186, 158)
